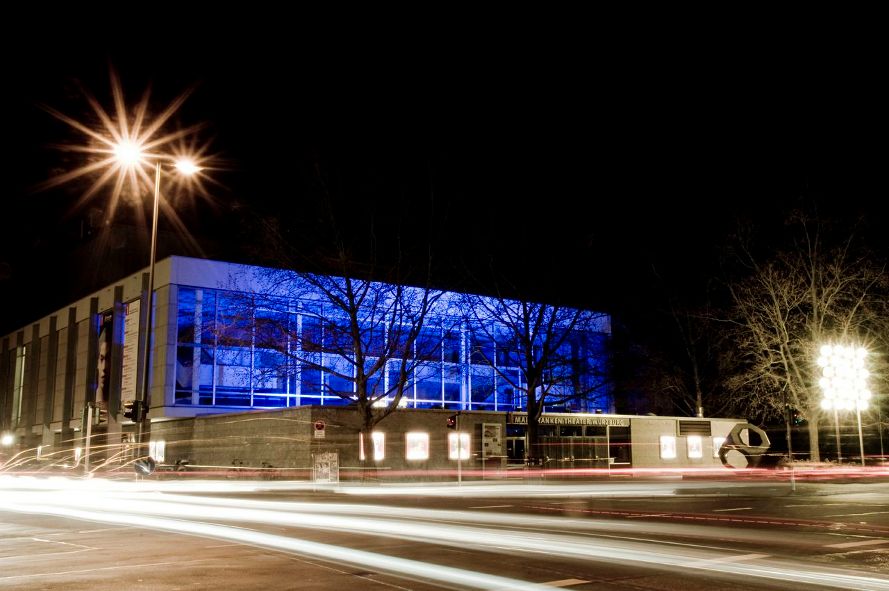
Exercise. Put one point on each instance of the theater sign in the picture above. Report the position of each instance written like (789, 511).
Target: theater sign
(521, 418)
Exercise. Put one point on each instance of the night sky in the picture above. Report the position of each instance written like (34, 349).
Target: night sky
(581, 166)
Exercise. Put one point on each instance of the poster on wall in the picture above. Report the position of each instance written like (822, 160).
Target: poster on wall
(458, 446)
(492, 441)
(103, 359)
(326, 467)
(130, 351)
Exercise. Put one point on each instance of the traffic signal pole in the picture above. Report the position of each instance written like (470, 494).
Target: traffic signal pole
(454, 423)
(459, 454)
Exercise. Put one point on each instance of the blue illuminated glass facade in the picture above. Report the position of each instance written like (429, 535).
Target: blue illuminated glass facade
(221, 362)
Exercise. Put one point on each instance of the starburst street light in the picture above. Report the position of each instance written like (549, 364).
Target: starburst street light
(844, 383)
(121, 152)
(119, 149)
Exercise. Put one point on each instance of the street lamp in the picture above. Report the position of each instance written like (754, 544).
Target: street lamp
(127, 143)
(844, 384)
(130, 156)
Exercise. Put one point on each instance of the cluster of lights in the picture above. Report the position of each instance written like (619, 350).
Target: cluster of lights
(843, 377)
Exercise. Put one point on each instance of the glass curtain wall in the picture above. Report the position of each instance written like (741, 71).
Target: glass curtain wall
(221, 362)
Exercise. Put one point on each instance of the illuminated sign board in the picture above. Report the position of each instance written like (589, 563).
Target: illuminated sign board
(552, 419)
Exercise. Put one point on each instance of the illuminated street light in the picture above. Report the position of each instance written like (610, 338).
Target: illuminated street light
(120, 153)
(129, 156)
(844, 384)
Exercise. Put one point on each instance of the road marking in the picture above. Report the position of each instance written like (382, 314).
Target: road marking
(223, 545)
(97, 531)
(734, 509)
(566, 582)
(856, 544)
(854, 514)
(490, 507)
(737, 558)
(64, 543)
(122, 567)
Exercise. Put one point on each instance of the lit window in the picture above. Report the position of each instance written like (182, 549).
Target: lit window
(157, 450)
(458, 446)
(717, 443)
(668, 447)
(417, 446)
(379, 440)
(695, 446)
(379, 444)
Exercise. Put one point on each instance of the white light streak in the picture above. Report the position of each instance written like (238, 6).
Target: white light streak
(565, 538)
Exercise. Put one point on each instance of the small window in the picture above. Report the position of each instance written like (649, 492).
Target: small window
(458, 446)
(695, 446)
(668, 447)
(717, 443)
(157, 450)
(596, 430)
(417, 446)
(515, 430)
(546, 431)
(379, 446)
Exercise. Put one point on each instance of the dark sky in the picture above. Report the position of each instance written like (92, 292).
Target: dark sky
(610, 155)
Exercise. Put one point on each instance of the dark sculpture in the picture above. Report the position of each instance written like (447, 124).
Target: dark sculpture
(755, 454)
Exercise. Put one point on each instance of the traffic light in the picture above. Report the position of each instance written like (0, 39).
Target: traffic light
(93, 414)
(131, 409)
(452, 422)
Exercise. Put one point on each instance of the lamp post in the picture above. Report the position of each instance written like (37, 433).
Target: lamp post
(130, 156)
(145, 398)
(844, 384)
(121, 146)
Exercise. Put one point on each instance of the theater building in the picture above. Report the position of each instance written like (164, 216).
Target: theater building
(233, 382)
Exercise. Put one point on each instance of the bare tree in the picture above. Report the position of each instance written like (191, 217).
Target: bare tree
(687, 377)
(355, 338)
(548, 354)
(344, 316)
(787, 307)
(682, 367)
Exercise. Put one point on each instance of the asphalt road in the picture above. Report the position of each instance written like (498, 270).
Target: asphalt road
(631, 535)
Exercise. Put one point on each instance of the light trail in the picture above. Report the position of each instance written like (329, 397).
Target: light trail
(410, 569)
(562, 538)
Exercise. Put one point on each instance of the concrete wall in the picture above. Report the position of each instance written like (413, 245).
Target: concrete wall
(284, 441)
(645, 433)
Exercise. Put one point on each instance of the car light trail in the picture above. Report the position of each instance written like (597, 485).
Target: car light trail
(510, 533)
(411, 569)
